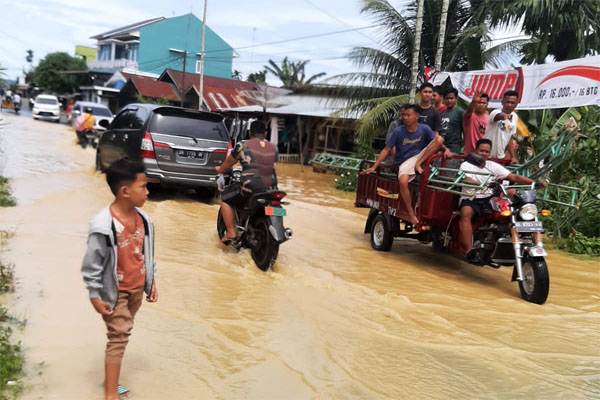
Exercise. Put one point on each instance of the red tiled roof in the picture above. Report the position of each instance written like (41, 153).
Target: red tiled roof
(149, 87)
(218, 92)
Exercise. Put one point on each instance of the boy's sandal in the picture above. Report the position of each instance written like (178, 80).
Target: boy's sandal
(122, 390)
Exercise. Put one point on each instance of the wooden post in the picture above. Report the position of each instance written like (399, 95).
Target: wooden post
(300, 144)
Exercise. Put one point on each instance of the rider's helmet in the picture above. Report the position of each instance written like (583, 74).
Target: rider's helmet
(88, 110)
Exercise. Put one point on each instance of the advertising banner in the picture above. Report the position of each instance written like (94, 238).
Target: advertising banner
(563, 84)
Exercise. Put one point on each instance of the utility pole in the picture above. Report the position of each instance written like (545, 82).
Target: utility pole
(416, 52)
(181, 92)
(201, 93)
(442, 36)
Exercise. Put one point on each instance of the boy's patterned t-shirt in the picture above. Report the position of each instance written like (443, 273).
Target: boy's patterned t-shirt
(131, 271)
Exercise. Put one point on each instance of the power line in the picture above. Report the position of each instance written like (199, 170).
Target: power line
(337, 19)
(295, 39)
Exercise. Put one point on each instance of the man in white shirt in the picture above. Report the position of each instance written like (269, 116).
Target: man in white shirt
(502, 128)
(473, 208)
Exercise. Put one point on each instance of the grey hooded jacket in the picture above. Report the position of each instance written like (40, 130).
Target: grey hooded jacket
(99, 267)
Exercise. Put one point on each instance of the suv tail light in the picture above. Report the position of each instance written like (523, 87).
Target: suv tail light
(147, 148)
(223, 151)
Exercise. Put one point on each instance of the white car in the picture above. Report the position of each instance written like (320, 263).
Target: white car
(46, 106)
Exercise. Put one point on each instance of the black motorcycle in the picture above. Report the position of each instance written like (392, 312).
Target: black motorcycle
(87, 138)
(511, 235)
(259, 221)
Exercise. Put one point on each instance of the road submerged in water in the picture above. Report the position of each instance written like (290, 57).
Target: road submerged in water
(333, 320)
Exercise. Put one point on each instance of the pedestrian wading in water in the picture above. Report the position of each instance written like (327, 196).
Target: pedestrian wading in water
(118, 266)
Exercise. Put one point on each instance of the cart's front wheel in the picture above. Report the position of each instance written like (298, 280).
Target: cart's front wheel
(536, 281)
(381, 234)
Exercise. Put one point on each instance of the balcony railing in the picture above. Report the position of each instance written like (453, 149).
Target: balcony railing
(113, 64)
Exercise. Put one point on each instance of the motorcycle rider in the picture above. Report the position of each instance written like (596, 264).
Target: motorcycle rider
(257, 157)
(16, 99)
(470, 209)
(85, 123)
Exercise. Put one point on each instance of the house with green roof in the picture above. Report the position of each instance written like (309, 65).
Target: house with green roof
(156, 44)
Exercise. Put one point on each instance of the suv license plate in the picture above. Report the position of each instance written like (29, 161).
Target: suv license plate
(276, 211)
(527, 227)
(191, 154)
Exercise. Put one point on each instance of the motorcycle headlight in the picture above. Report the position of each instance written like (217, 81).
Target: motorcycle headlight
(528, 212)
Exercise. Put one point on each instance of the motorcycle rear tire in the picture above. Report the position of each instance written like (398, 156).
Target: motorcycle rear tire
(220, 225)
(536, 284)
(265, 252)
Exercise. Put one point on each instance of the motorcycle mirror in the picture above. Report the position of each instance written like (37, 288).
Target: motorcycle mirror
(475, 159)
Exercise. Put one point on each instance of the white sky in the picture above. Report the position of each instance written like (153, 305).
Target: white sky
(47, 26)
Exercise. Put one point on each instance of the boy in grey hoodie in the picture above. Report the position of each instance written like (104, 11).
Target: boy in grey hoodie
(118, 266)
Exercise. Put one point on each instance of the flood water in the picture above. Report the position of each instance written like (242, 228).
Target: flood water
(333, 320)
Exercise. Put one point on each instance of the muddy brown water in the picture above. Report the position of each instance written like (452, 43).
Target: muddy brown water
(333, 320)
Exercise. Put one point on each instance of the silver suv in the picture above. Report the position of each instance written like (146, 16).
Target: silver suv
(100, 111)
(179, 147)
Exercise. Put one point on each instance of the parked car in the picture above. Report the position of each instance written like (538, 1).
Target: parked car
(46, 106)
(100, 111)
(179, 147)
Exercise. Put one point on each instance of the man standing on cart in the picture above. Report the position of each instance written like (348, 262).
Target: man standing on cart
(414, 143)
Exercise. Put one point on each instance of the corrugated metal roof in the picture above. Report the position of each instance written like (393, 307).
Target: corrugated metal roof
(310, 106)
(149, 87)
(219, 93)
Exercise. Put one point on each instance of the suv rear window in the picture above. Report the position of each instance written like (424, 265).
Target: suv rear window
(198, 126)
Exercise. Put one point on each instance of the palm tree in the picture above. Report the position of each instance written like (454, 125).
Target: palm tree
(381, 91)
(291, 73)
(564, 29)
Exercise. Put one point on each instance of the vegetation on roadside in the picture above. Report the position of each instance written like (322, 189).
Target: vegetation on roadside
(11, 354)
(576, 230)
(6, 198)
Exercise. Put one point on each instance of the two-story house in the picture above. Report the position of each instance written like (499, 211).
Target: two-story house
(154, 45)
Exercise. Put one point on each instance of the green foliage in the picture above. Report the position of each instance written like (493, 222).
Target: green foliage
(6, 277)
(346, 180)
(364, 151)
(6, 199)
(11, 355)
(581, 244)
(142, 99)
(576, 230)
(11, 361)
(258, 77)
(49, 73)
(291, 73)
(237, 75)
(29, 56)
(564, 29)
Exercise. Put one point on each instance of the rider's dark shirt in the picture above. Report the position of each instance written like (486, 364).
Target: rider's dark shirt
(258, 158)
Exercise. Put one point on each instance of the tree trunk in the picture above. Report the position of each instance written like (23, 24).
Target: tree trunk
(416, 50)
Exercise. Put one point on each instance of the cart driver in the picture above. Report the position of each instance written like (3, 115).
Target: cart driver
(478, 205)
(414, 143)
